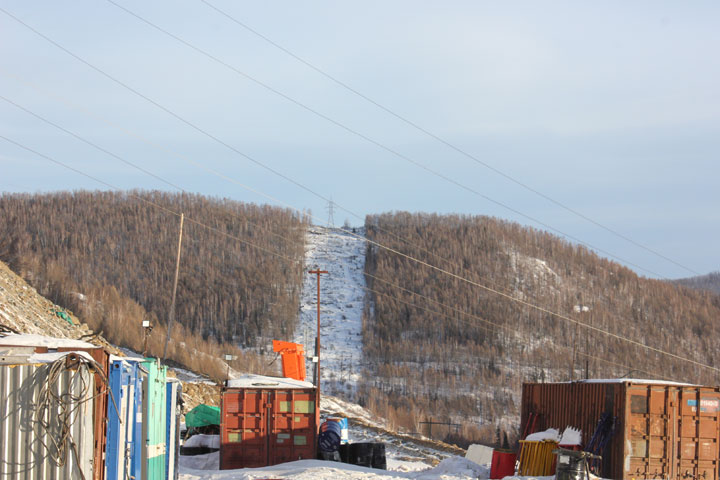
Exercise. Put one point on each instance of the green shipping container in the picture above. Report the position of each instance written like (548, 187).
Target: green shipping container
(154, 422)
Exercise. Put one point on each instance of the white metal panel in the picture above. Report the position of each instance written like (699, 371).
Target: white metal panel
(29, 434)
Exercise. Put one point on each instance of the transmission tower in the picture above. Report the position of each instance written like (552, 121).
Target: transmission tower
(331, 210)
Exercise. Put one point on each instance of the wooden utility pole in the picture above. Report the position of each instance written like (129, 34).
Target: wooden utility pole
(317, 272)
(574, 347)
(587, 346)
(171, 314)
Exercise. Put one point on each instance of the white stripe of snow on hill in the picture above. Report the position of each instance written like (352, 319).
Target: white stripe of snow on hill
(341, 305)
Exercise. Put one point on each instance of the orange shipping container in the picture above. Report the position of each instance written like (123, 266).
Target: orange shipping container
(266, 421)
(663, 430)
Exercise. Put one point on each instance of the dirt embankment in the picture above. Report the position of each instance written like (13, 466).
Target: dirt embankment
(23, 310)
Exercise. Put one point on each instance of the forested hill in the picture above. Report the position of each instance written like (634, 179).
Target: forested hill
(464, 351)
(240, 270)
(710, 282)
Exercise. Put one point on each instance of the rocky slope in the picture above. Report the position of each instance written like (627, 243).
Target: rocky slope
(23, 310)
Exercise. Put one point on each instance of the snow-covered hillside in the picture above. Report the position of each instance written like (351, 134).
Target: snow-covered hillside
(341, 305)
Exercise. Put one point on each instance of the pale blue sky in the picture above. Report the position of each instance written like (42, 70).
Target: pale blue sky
(612, 108)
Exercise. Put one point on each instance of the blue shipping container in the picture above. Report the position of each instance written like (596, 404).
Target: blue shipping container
(137, 445)
(118, 406)
(143, 422)
(124, 440)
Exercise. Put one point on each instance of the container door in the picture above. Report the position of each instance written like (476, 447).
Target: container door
(244, 441)
(154, 448)
(650, 414)
(697, 450)
(172, 436)
(119, 379)
(292, 426)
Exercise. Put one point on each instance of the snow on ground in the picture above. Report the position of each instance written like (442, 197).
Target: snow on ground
(341, 305)
(336, 407)
(43, 341)
(454, 468)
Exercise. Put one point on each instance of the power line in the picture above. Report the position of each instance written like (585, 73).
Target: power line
(366, 138)
(145, 140)
(392, 250)
(494, 326)
(442, 140)
(144, 200)
(563, 317)
(127, 162)
(275, 172)
(542, 309)
(163, 108)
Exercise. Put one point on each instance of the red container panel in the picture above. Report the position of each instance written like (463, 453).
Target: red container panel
(293, 432)
(263, 427)
(650, 434)
(698, 431)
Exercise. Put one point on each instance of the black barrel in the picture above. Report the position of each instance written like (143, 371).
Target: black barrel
(329, 456)
(378, 458)
(191, 451)
(361, 454)
(344, 452)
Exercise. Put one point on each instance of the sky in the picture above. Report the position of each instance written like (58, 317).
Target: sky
(610, 109)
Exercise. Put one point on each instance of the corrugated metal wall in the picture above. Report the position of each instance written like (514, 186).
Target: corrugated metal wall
(662, 430)
(580, 405)
(27, 448)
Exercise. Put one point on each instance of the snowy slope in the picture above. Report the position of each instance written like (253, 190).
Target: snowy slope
(341, 305)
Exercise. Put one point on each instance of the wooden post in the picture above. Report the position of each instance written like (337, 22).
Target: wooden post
(171, 314)
(317, 272)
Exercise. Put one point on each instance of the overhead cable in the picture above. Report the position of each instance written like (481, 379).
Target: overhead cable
(144, 200)
(441, 270)
(364, 137)
(420, 262)
(442, 140)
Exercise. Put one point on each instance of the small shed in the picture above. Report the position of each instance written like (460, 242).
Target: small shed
(661, 429)
(266, 421)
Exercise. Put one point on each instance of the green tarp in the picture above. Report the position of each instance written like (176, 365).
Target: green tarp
(202, 415)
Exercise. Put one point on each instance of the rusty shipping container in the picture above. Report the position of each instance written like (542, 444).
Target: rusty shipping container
(40, 344)
(266, 421)
(663, 429)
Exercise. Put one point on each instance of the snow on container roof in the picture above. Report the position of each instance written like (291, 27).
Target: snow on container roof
(642, 381)
(637, 381)
(27, 340)
(39, 358)
(261, 381)
(36, 358)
